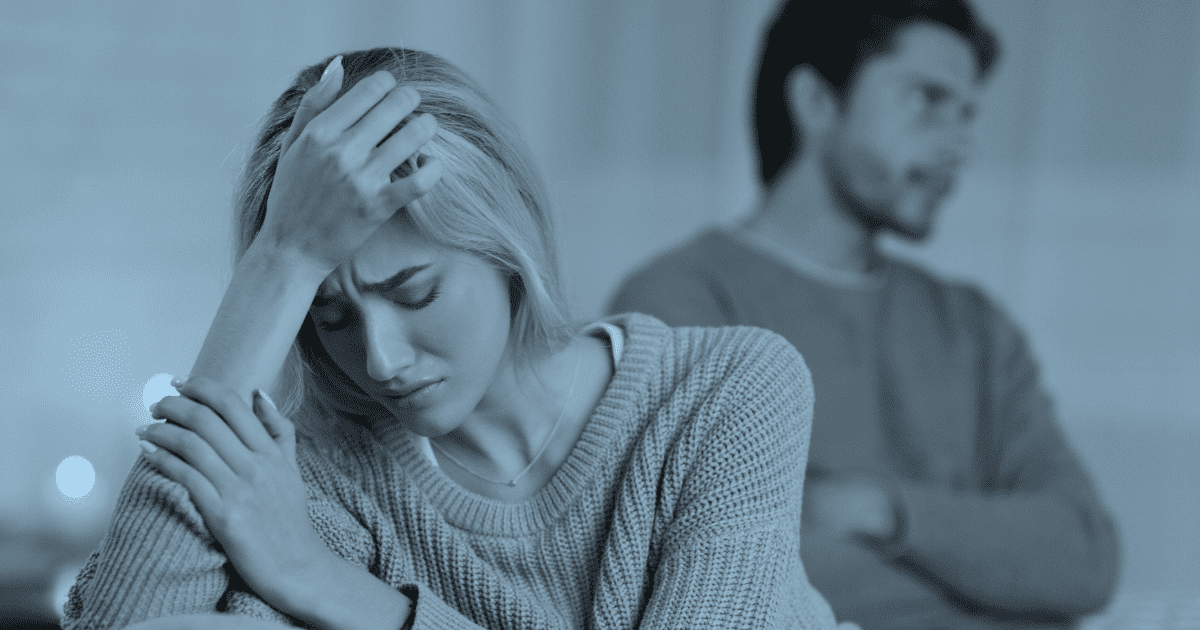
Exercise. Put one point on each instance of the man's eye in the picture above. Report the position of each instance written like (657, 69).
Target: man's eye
(919, 100)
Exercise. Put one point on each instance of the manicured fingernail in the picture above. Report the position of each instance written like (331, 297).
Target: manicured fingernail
(146, 446)
(141, 430)
(178, 381)
(337, 61)
(266, 398)
(153, 408)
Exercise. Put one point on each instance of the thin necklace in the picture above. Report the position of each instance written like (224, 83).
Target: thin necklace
(537, 456)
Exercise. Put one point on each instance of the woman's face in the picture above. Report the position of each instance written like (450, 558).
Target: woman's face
(420, 327)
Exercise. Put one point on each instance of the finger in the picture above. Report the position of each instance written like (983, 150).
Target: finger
(231, 408)
(203, 492)
(204, 422)
(192, 450)
(280, 427)
(403, 144)
(352, 105)
(374, 127)
(315, 100)
(404, 191)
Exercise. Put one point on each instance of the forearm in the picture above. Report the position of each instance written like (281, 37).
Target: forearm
(258, 319)
(1032, 551)
(343, 596)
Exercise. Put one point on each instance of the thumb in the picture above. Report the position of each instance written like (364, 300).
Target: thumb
(278, 426)
(315, 100)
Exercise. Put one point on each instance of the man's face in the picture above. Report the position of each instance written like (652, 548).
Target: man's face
(903, 131)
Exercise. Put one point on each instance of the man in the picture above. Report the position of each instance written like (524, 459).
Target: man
(940, 493)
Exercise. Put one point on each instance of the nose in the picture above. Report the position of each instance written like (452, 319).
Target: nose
(386, 341)
(958, 135)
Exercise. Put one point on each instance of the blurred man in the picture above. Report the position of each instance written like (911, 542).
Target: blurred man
(940, 493)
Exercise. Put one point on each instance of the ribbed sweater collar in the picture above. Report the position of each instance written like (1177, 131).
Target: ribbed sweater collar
(591, 464)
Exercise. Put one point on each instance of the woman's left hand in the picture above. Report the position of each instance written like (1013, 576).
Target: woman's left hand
(239, 465)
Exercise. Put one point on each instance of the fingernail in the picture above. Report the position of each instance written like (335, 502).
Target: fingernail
(337, 61)
(141, 430)
(146, 446)
(153, 409)
(178, 381)
(266, 398)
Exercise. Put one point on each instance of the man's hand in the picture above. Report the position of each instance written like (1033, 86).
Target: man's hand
(850, 506)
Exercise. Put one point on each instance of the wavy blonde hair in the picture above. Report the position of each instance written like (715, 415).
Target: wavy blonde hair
(491, 201)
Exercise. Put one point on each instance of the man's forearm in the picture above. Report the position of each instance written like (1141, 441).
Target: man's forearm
(1031, 552)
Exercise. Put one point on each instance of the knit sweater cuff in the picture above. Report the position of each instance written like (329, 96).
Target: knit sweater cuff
(429, 612)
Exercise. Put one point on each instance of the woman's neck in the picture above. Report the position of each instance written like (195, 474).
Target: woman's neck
(527, 422)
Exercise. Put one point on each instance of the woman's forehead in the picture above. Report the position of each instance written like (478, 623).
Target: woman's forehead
(395, 247)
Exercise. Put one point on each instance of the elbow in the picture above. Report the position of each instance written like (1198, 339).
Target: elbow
(1097, 570)
(1101, 581)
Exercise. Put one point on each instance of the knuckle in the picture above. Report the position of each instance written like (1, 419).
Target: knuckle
(317, 134)
(344, 159)
(188, 442)
(381, 81)
(364, 185)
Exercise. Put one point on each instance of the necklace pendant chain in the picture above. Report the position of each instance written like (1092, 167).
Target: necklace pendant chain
(549, 436)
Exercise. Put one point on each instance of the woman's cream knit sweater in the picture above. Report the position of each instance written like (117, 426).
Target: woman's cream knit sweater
(678, 508)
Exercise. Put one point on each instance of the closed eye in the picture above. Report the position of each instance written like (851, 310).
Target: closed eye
(329, 314)
(418, 304)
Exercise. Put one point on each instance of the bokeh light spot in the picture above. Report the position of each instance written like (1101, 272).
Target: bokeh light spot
(157, 388)
(62, 587)
(75, 477)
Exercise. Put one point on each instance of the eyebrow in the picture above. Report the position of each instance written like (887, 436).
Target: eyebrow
(391, 283)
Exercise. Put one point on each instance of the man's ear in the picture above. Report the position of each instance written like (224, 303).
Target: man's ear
(811, 102)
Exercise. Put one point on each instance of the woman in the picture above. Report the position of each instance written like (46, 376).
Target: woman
(463, 455)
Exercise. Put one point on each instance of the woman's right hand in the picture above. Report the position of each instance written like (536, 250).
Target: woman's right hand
(332, 187)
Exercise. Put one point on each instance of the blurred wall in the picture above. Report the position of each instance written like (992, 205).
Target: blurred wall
(122, 126)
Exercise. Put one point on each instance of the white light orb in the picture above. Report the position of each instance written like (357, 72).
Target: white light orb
(63, 580)
(157, 388)
(75, 477)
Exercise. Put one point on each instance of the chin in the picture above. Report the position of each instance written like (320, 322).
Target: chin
(910, 231)
(911, 228)
(909, 219)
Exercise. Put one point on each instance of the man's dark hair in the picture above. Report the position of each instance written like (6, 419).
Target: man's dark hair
(835, 37)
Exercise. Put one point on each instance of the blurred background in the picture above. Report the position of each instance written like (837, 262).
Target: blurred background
(123, 125)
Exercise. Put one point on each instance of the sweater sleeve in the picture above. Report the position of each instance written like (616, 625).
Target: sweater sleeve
(731, 552)
(157, 560)
(1036, 539)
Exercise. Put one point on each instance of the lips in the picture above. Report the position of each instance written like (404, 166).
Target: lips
(405, 390)
(938, 181)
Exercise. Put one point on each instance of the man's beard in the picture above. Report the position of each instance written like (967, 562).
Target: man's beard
(881, 211)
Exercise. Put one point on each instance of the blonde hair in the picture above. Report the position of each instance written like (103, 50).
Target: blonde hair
(490, 201)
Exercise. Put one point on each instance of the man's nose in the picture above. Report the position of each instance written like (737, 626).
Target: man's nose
(386, 342)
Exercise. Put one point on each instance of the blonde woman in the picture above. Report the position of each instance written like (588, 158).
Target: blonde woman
(459, 453)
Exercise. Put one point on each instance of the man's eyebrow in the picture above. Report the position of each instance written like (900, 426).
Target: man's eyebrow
(391, 283)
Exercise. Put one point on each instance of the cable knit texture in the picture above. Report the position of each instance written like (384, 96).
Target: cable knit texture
(679, 507)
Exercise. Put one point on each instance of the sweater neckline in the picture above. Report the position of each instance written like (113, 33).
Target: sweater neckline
(612, 422)
(808, 268)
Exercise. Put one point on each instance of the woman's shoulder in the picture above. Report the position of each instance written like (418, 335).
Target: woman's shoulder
(717, 352)
(711, 375)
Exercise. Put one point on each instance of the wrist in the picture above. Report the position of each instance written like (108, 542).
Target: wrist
(282, 263)
(881, 521)
(890, 537)
(334, 593)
